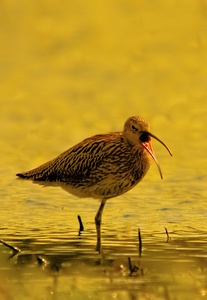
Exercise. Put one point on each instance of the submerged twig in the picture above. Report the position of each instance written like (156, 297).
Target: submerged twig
(168, 237)
(132, 269)
(41, 261)
(81, 228)
(140, 242)
(51, 264)
(15, 250)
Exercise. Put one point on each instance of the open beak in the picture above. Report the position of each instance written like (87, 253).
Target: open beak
(145, 141)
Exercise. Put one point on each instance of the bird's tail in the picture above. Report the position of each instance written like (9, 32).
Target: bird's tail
(41, 173)
(23, 175)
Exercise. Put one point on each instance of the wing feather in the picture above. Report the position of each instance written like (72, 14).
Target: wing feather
(77, 163)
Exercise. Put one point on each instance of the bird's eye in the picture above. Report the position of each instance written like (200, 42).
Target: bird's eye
(134, 128)
(144, 137)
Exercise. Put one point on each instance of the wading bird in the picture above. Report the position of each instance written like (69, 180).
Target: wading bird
(102, 166)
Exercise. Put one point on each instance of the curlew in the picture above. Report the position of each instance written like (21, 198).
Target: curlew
(102, 166)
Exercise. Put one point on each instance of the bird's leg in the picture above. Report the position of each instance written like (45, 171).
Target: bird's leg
(98, 225)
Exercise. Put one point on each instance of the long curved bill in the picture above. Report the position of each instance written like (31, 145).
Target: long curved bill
(148, 146)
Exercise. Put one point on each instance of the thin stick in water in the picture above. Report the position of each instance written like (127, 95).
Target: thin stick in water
(140, 242)
(168, 237)
(81, 228)
(132, 269)
(14, 249)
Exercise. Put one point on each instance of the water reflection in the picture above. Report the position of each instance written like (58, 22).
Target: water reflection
(162, 272)
(61, 262)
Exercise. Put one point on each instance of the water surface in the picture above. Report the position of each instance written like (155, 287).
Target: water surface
(70, 70)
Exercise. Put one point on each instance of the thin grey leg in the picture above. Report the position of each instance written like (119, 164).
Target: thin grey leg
(98, 218)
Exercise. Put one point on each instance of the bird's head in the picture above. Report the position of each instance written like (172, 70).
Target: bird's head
(136, 131)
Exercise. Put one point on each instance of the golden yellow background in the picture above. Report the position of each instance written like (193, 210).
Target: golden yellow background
(71, 69)
(74, 68)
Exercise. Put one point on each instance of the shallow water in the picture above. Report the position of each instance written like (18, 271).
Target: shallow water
(71, 70)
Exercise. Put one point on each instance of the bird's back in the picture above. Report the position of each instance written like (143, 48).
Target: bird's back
(102, 166)
(75, 163)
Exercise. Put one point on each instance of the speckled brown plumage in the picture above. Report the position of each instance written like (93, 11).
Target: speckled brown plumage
(102, 166)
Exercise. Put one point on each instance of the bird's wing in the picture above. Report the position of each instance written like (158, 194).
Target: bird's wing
(77, 163)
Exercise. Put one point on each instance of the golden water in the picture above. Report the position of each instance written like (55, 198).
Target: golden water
(71, 69)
